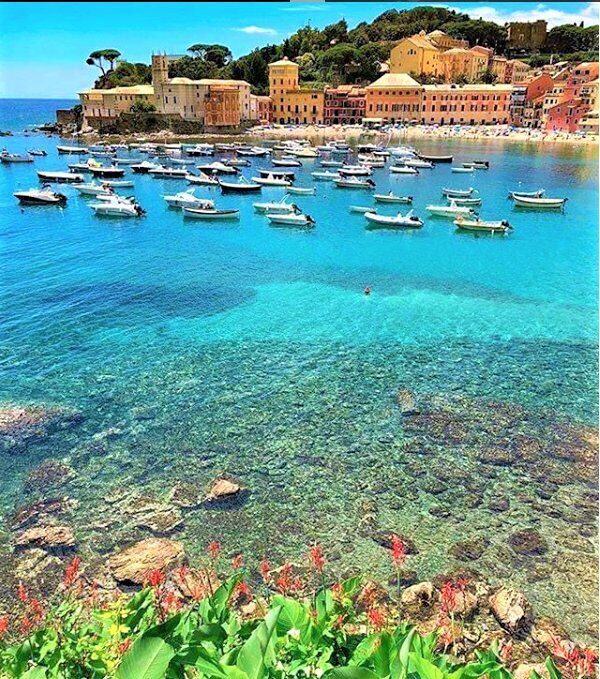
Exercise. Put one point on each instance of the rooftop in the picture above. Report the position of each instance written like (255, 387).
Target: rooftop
(394, 80)
(449, 87)
(133, 89)
(283, 62)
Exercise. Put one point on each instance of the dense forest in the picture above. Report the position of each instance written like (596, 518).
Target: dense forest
(339, 55)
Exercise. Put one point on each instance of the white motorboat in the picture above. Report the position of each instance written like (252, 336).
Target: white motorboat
(126, 161)
(392, 198)
(401, 151)
(6, 157)
(370, 160)
(400, 221)
(272, 180)
(202, 179)
(466, 201)
(254, 151)
(458, 193)
(481, 226)
(303, 152)
(237, 162)
(462, 170)
(331, 163)
(144, 167)
(478, 164)
(94, 189)
(302, 190)
(78, 150)
(354, 183)
(107, 171)
(453, 210)
(37, 152)
(61, 177)
(218, 168)
(362, 209)
(527, 194)
(118, 207)
(200, 150)
(286, 162)
(118, 183)
(279, 207)
(540, 203)
(201, 213)
(84, 167)
(103, 154)
(325, 175)
(418, 162)
(355, 171)
(43, 196)
(301, 221)
(403, 169)
(164, 172)
(188, 199)
(243, 186)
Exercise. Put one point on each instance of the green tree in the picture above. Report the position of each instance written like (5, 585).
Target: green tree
(143, 107)
(103, 59)
(489, 77)
(478, 32)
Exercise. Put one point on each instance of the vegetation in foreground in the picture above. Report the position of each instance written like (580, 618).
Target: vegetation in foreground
(195, 624)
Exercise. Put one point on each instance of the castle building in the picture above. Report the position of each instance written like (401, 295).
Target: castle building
(526, 35)
(105, 106)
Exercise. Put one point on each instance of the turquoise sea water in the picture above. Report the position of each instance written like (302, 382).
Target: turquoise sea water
(195, 350)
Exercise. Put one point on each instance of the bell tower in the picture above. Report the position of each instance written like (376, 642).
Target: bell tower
(160, 69)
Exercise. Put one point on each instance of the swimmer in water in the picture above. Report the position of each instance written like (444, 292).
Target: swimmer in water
(367, 290)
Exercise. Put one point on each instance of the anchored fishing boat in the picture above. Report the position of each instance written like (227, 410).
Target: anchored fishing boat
(43, 196)
(286, 162)
(403, 169)
(453, 210)
(188, 199)
(202, 179)
(302, 190)
(481, 226)
(400, 221)
(276, 207)
(218, 168)
(527, 194)
(466, 201)
(458, 193)
(540, 203)
(298, 221)
(243, 186)
(209, 214)
(355, 171)
(118, 207)
(463, 170)
(272, 180)
(164, 172)
(144, 167)
(77, 150)
(436, 159)
(6, 157)
(418, 162)
(325, 176)
(354, 183)
(392, 198)
(61, 177)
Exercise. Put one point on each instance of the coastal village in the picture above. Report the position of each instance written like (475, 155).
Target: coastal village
(557, 97)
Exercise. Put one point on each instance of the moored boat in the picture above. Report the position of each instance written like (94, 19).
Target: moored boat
(243, 186)
(392, 198)
(144, 167)
(119, 183)
(202, 179)
(188, 199)
(527, 194)
(94, 189)
(354, 183)
(272, 180)
(362, 209)
(37, 152)
(286, 162)
(107, 171)
(479, 225)
(355, 171)
(118, 207)
(301, 221)
(164, 172)
(458, 193)
(325, 175)
(418, 162)
(276, 207)
(6, 157)
(43, 196)
(403, 169)
(400, 221)
(302, 190)
(465, 201)
(78, 150)
(462, 170)
(201, 213)
(453, 210)
(61, 177)
(540, 203)
(218, 168)
(436, 159)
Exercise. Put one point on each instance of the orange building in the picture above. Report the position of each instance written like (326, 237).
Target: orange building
(263, 109)
(465, 104)
(523, 94)
(394, 97)
(417, 55)
(344, 105)
(221, 106)
(290, 102)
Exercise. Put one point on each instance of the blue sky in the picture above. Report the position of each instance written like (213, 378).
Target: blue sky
(44, 45)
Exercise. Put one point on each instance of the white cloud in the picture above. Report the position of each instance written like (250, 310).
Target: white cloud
(256, 30)
(554, 16)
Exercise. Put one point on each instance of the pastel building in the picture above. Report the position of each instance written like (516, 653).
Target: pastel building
(516, 71)
(524, 94)
(417, 55)
(395, 97)
(465, 104)
(105, 106)
(344, 105)
(291, 103)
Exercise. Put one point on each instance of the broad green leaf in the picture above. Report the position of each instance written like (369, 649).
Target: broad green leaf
(350, 673)
(552, 669)
(148, 658)
(424, 668)
(208, 665)
(35, 673)
(293, 616)
(351, 585)
(251, 658)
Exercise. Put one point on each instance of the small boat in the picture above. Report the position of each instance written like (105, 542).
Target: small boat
(400, 221)
(6, 157)
(102, 154)
(370, 160)
(418, 162)
(465, 201)
(331, 163)
(303, 152)
(286, 162)
(37, 152)
(201, 213)
(325, 176)
(355, 171)
(354, 183)
(77, 150)
(302, 190)
(458, 193)
(403, 169)
(288, 175)
(144, 167)
(118, 183)
(84, 167)
(301, 221)
(118, 208)
(481, 226)
(126, 161)
(182, 161)
(527, 194)
(164, 172)
(543, 203)
(94, 189)
(392, 198)
(200, 150)
(272, 180)
(436, 159)
(188, 199)
(256, 151)
(107, 171)
(61, 177)
(243, 186)
(453, 210)
(218, 168)
(202, 178)
(43, 196)
(280, 207)
(401, 151)
(478, 164)
(237, 162)
(463, 170)
(362, 209)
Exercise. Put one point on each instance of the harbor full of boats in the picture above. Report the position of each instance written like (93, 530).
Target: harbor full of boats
(216, 182)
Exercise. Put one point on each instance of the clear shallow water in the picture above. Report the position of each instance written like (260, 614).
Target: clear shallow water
(193, 350)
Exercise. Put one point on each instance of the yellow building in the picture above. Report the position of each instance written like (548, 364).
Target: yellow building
(517, 71)
(291, 103)
(416, 55)
(589, 97)
(444, 41)
(394, 97)
(104, 106)
(458, 63)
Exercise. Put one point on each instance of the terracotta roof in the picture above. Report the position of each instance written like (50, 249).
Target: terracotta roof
(457, 50)
(393, 80)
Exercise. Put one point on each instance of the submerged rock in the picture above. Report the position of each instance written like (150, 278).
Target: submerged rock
(407, 402)
(384, 539)
(131, 565)
(510, 608)
(48, 475)
(470, 550)
(39, 512)
(528, 542)
(51, 538)
(21, 425)
(222, 489)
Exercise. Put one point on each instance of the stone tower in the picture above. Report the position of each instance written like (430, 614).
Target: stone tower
(160, 69)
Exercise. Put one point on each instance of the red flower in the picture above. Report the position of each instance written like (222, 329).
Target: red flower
(156, 577)
(37, 610)
(585, 664)
(462, 584)
(4, 622)
(22, 593)
(124, 646)
(237, 562)
(214, 549)
(283, 581)
(242, 591)
(170, 602)
(398, 551)
(182, 572)
(296, 584)
(265, 570)
(448, 594)
(376, 618)
(26, 625)
(71, 572)
(317, 558)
